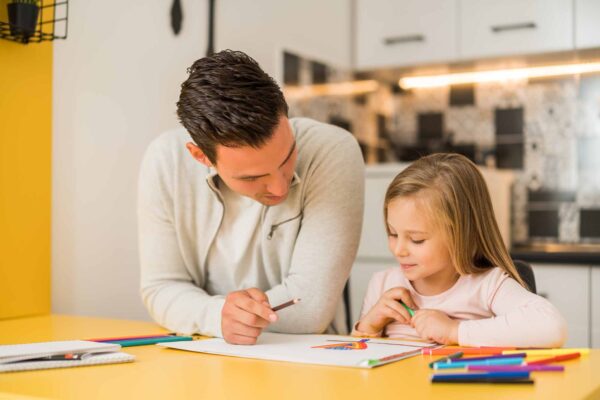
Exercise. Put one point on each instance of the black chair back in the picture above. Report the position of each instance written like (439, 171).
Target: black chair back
(526, 273)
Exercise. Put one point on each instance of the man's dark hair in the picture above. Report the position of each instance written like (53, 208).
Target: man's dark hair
(229, 100)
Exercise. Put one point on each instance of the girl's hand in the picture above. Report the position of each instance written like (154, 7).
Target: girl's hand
(386, 310)
(435, 325)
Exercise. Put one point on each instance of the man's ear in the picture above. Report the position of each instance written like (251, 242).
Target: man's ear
(198, 154)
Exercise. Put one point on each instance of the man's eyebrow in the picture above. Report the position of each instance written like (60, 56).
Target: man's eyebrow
(260, 176)
(289, 154)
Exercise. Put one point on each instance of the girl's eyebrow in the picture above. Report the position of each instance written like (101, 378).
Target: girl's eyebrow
(411, 231)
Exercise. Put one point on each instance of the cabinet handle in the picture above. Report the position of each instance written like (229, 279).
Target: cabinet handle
(388, 41)
(513, 27)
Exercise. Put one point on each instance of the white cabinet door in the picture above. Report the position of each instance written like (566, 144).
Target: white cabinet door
(395, 33)
(568, 288)
(587, 28)
(509, 27)
(595, 304)
(361, 274)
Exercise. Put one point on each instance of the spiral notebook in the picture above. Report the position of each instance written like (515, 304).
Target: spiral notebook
(31, 356)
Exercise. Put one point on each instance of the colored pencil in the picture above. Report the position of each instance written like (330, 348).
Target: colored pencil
(483, 380)
(444, 351)
(147, 341)
(465, 364)
(286, 304)
(510, 368)
(494, 357)
(549, 352)
(452, 356)
(563, 357)
(112, 339)
(484, 375)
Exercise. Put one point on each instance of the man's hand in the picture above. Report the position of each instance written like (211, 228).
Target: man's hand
(244, 315)
(386, 310)
(435, 325)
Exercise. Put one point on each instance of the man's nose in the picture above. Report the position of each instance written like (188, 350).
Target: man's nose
(278, 186)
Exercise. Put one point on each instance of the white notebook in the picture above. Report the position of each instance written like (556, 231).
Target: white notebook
(21, 357)
(96, 359)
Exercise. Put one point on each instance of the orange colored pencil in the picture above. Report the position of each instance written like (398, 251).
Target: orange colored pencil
(465, 350)
(548, 360)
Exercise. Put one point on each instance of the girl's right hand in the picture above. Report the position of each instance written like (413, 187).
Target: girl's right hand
(386, 310)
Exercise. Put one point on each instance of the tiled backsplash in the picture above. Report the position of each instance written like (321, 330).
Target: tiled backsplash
(547, 131)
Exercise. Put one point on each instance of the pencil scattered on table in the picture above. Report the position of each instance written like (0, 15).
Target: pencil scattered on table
(497, 365)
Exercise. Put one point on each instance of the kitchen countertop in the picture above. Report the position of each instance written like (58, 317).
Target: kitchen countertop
(558, 253)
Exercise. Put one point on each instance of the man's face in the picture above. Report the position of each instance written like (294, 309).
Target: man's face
(262, 174)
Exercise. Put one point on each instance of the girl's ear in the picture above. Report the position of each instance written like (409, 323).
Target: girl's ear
(198, 154)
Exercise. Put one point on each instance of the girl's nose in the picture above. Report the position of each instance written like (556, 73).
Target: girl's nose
(400, 250)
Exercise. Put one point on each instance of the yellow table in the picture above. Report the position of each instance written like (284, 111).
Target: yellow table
(160, 373)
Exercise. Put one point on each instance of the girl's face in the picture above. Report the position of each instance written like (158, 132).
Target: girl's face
(419, 246)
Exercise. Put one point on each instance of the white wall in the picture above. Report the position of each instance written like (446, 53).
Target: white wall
(116, 81)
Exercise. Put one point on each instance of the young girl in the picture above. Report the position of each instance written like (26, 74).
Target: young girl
(454, 270)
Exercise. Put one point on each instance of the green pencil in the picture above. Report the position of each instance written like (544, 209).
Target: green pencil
(410, 310)
(147, 341)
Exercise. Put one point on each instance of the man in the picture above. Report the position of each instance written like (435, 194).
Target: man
(254, 211)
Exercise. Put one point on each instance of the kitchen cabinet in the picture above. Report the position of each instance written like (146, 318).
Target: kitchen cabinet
(396, 33)
(587, 29)
(411, 32)
(508, 27)
(568, 288)
(595, 306)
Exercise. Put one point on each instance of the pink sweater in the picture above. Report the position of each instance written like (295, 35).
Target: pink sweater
(493, 308)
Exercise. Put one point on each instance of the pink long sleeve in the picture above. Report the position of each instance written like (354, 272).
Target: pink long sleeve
(522, 319)
(493, 308)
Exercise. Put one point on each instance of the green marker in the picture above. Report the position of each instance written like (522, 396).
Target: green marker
(410, 310)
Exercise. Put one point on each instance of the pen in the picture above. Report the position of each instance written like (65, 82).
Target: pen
(286, 304)
(452, 356)
(62, 357)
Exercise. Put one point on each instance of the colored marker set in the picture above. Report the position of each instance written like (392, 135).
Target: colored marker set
(502, 366)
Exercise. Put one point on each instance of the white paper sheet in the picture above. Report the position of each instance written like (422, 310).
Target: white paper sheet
(300, 349)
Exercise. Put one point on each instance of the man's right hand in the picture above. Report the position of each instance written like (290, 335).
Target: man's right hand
(244, 315)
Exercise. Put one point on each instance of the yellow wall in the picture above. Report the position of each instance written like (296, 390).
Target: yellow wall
(25, 173)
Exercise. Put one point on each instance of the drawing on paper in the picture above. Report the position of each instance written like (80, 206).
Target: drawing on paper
(358, 345)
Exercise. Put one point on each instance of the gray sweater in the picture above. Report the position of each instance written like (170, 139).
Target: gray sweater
(308, 242)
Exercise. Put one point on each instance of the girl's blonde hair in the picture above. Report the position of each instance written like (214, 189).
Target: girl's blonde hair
(459, 202)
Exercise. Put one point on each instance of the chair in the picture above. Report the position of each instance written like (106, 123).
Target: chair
(526, 273)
